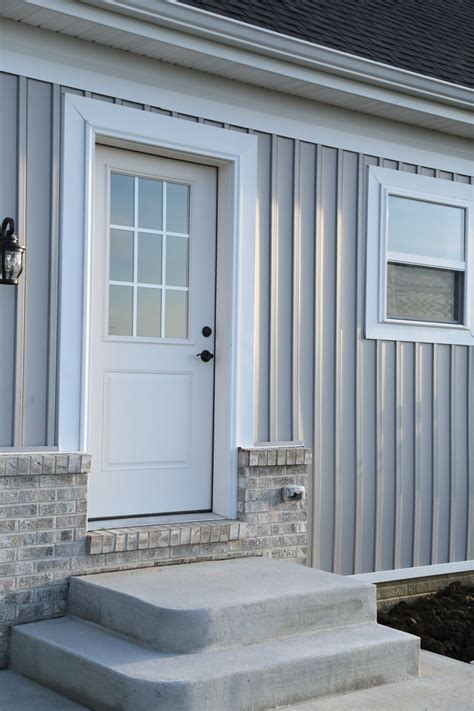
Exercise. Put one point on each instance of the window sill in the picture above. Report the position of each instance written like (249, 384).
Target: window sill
(449, 335)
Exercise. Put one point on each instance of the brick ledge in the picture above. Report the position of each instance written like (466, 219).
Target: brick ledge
(274, 456)
(118, 540)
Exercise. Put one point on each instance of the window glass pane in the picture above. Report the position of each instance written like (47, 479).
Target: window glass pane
(149, 258)
(121, 199)
(424, 294)
(120, 310)
(176, 319)
(177, 261)
(149, 312)
(425, 228)
(150, 204)
(177, 208)
(121, 255)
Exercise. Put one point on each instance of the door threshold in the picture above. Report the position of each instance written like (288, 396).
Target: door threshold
(152, 520)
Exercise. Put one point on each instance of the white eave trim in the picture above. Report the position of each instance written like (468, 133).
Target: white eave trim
(259, 40)
(167, 30)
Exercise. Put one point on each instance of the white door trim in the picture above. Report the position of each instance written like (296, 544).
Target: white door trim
(87, 121)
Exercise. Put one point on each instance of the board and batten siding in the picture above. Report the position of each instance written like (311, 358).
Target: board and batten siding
(391, 423)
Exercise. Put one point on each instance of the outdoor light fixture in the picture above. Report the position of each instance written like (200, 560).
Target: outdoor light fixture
(12, 254)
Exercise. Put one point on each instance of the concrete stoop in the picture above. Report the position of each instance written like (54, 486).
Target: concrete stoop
(218, 636)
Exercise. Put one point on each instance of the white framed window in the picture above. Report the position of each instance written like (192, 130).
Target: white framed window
(420, 259)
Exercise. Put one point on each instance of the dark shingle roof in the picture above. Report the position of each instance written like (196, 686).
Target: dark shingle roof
(431, 37)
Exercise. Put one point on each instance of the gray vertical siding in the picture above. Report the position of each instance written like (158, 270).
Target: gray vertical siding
(392, 424)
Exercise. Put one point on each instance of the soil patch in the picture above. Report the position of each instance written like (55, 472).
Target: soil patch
(444, 621)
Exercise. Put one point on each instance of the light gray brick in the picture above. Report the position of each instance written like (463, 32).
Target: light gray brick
(164, 538)
(36, 465)
(11, 466)
(31, 552)
(85, 463)
(143, 538)
(48, 464)
(94, 543)
(74, 464)
(185, 535)
(23, 465)
(175, 536)
(243, 458)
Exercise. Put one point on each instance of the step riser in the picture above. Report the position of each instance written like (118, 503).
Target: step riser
(184, 632)
(103, 688)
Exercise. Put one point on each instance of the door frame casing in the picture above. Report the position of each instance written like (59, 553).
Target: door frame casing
(87, 122)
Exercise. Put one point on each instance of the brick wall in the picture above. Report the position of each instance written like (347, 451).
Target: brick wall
(44, 538)
(43, 500)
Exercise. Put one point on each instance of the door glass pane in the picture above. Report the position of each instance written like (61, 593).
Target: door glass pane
(121, 199)
(121, 255)
(425, 228)
(177, 208)
(149, 258)
(177, 261)
(149, 312)
(176, 319)
(424, 294)
(120, 310)
(150, 204)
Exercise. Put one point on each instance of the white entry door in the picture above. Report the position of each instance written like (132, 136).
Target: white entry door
(152, 312)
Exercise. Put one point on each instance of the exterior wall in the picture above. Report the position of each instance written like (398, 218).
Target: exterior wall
(43, 536)
(391, 423)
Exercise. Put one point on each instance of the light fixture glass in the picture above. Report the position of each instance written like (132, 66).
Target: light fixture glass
(12, 254)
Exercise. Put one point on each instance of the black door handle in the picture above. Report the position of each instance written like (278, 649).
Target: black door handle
(206, 356)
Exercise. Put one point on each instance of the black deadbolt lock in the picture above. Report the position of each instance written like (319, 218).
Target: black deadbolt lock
(207, 331)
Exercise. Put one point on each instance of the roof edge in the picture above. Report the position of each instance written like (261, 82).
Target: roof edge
(231, 32)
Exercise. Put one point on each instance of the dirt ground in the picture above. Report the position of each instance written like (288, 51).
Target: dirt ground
(444, 621)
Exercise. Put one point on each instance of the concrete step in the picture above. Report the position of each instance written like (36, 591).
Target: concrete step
(104, 670)
(188, 608)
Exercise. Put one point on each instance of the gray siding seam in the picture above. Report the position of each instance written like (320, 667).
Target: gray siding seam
(418, 366)
(398, 459)
(296, 325)
(18, 418)
(435, 460)
(359, 305)
(379, 470)
(318, 409)
(452, 452)
(274, 295)
(54, 264)
(338, 384)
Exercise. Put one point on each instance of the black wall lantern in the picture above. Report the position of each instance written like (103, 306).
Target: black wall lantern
(12, 255)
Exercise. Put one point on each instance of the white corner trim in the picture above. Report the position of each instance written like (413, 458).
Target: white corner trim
(87, 120)
(423, 571)
(383, 182)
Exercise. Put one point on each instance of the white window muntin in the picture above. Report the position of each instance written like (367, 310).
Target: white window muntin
(383, 183)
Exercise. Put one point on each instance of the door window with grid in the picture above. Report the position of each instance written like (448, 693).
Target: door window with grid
(148, 257)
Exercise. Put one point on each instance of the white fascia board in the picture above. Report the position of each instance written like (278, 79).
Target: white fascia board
(56, 58)
(226, 47)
